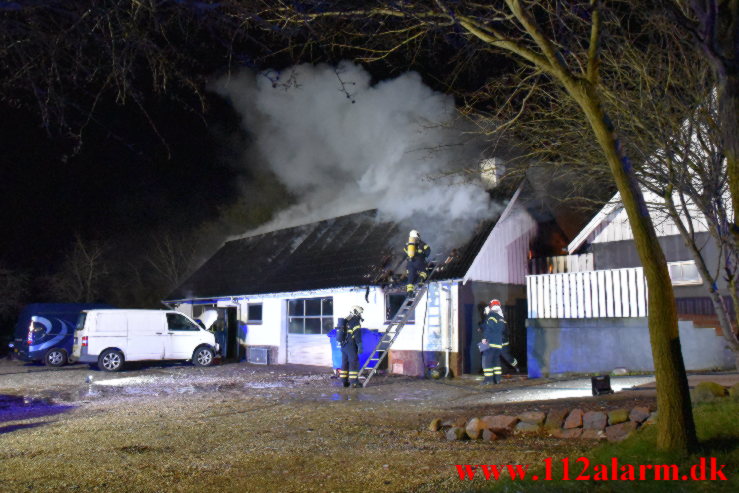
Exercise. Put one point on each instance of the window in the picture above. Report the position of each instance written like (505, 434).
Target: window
(254, 313)
(176, 321)
(310, 315)
(684, 273)
(197, 310)
(393, 303)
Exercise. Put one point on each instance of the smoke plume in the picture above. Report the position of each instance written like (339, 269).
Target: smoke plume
(341, 145)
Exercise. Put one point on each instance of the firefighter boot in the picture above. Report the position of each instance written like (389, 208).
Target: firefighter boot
(487, 380)
(496, 378)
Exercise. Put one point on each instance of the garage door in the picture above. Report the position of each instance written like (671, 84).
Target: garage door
(309, 349)
(309, 320)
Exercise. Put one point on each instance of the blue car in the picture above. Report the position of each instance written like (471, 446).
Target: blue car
(45, 331)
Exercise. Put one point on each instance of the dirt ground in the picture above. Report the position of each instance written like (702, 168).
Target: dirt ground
(242, 427)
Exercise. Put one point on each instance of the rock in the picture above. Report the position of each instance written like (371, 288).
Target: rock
(569, 433)
(652, 419)
(574, 419)
(532, 417)
(524, 427)
(500, 424)
(621, 431)
(456, 433)
(734, 391)
(591, 434)
(594, 420)
(458, 422)
(639, 414)
(707, 392)
(435, 425)
(619, 372)
(490, 436)
(555, 418)
(474, 428)
(618, 416)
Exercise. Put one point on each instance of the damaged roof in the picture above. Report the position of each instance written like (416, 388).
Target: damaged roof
(352, 250)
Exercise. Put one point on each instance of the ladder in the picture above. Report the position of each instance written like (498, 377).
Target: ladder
(394, 327)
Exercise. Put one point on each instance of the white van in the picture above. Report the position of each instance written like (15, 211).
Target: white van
(111, 337)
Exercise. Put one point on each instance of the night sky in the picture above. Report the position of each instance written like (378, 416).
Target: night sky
(121, 182)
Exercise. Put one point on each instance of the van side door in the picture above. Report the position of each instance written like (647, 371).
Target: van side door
(183, 336)
(146, 335)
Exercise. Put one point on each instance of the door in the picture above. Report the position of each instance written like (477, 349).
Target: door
(309, 322)
(181, 338)
(145, 335)
(227, 332)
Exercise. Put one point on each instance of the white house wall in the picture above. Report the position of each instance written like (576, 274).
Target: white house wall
(615, 226)
(429, 333)
(504, 255)
(434, 328)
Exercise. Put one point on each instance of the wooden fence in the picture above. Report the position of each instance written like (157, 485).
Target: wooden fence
(590, 294)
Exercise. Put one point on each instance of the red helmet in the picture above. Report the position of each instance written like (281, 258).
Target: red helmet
(494, 302)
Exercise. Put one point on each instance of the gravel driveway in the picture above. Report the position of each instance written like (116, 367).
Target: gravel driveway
(242, 427)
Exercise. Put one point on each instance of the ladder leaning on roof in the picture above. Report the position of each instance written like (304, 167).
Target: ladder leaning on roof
(394, 327)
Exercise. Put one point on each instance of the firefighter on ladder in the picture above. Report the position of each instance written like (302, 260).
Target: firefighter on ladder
(351, 346)
(495, 343)
(417, 253)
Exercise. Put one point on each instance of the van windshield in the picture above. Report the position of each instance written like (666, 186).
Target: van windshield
(81, 321)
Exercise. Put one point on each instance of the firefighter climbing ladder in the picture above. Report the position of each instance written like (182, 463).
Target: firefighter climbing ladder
(393, 329)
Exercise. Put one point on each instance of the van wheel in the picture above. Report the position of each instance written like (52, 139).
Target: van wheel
(110, 360)
(202, 356)
(55, 357)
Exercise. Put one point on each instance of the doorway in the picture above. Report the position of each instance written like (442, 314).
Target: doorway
(227, 333)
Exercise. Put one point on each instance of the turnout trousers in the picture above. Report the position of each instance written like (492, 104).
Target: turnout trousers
(349, 363)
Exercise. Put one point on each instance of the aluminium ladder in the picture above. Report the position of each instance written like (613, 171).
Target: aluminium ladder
(394, 327)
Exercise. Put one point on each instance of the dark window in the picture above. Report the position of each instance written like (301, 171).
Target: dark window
(310, 315)
(393, 303)
(296, 308)
(175, 321)
(254, 313)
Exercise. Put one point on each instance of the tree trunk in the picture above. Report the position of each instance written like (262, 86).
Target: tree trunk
(675, 426)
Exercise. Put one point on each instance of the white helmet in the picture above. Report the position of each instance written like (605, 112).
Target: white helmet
(414, 234)
(357, 310)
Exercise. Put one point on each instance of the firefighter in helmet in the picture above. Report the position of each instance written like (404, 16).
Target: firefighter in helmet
(350, 340)
(417, 253)
(495, 343)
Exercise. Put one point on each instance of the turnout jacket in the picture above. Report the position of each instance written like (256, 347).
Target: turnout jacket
(354, 332)
(494, 330)
(422, 249)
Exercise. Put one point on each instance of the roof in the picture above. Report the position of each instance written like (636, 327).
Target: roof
(346, 251)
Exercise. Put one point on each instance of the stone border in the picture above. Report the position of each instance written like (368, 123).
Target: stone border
(614, 426)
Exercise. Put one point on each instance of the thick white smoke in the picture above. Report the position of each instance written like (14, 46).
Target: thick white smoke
(342, 145)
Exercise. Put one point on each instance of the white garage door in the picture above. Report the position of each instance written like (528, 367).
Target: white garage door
(309, 320)
(307, 349)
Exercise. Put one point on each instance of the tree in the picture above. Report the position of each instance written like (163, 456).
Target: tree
(562, 43)
(664, 101)
(13, 289)
(714, 27)
(83, 275)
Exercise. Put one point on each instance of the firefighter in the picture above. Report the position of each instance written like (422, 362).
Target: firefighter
(495, 343)
(417, 253)
(351, 347)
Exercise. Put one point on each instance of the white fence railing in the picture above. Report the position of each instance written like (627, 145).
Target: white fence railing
(561, 264)
(592, 294)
